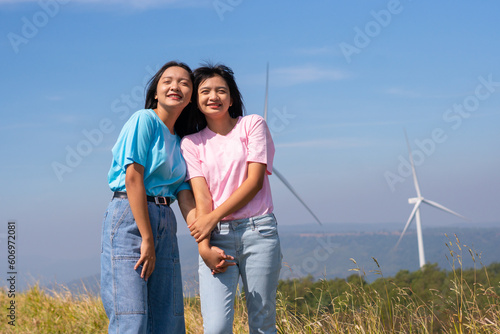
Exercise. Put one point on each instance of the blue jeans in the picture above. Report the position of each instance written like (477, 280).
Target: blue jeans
(132, 304)
(255, 245)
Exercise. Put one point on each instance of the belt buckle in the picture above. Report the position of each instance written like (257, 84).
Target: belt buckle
(161, 200)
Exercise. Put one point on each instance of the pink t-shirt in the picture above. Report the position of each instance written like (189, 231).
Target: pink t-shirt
(222, 161)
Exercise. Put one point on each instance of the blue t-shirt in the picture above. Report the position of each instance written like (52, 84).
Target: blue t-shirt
(146, 140)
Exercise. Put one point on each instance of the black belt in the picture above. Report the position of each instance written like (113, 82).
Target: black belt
(160, 200)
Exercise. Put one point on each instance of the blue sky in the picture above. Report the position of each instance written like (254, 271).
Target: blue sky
(346, 79)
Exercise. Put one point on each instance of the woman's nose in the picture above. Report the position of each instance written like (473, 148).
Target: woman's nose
(213, 96)
(174, 86)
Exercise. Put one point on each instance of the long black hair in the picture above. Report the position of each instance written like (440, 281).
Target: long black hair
(197, 120)
(182, 122)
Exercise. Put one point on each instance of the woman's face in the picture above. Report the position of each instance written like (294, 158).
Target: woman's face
(174, 88)
(214, 98)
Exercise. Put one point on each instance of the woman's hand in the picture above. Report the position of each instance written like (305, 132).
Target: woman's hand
(216, 259)
(202, 226)
(147, 259)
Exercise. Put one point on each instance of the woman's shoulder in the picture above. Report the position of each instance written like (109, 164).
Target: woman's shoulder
(193, 138)
(145, 117)
(251, 120)
(147, 114)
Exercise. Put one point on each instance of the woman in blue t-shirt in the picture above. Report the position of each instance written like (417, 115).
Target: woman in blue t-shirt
(141, 286)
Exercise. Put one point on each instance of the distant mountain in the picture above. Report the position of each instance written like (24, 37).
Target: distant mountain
(85, 285)
(328, 255)
(326, 252)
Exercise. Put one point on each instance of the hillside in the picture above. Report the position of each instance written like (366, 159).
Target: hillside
(326, 252)
(424, 301)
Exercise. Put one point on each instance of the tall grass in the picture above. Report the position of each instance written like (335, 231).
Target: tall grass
(56, 311)
(468, 305)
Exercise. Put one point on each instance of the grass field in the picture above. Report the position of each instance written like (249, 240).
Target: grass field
(469, 303)
(38, 311)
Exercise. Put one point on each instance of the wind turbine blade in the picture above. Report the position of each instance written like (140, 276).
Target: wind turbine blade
(289, 186)
(415, 181)
(278, 174)
(267, 91)
(441, 207)
(415, 208)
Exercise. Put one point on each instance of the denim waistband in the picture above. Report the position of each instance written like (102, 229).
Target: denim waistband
(237, 222)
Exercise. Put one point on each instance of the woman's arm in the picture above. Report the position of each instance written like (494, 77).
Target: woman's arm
(206, 220)
(214, 257)
(136, 193)
(187, 205)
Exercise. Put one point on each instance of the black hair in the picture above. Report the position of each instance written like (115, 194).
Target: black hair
(181, 124)
(197, 120)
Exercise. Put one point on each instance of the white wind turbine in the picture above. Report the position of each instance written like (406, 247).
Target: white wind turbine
(275, 171)
(416, 210)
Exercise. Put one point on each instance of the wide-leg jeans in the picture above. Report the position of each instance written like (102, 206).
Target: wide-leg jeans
(255, 245)
(132, 304)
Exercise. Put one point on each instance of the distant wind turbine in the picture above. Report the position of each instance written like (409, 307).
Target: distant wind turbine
(275, 171)
(416, 210)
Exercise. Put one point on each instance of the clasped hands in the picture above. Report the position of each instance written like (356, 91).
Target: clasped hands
(214, 257)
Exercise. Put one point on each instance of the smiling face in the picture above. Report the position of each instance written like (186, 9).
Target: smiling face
(174, 88)
(214, 97)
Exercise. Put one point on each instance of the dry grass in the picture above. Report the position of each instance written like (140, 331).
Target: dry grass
(39, 311)
(359, 310)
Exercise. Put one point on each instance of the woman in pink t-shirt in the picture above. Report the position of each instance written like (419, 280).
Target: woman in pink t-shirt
(229, 157)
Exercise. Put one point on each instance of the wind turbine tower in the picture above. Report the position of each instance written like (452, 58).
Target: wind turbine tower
(416, 210)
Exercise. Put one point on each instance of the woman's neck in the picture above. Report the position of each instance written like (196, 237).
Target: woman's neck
(223, 125)
(168, 117)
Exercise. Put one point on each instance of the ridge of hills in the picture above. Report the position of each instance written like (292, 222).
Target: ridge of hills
(339, 251)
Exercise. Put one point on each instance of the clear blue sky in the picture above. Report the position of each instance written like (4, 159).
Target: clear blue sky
(346, 79)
